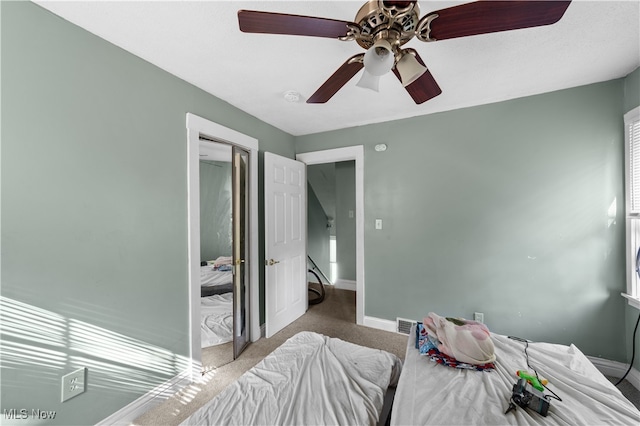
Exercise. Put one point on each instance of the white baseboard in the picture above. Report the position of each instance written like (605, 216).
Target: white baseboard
(616, 369)
(345, 284)
(380, 324)
(126, 415)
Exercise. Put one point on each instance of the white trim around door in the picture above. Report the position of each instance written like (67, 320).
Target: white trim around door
(349, 153)
(196, 127)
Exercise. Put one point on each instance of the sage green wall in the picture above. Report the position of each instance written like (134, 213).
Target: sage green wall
(631, 101)
(317, 233)
(501, 209)
(632, 90)
(216, 236)
(94, 216)
(345, 225)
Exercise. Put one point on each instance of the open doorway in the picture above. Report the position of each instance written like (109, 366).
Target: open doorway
(241, 152)
(355, 155)
(224, 251)
(331, 222)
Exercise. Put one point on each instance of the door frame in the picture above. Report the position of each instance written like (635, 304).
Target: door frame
(196, 127)
(349, 153)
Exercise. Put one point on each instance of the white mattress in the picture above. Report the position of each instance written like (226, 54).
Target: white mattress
(310, 379)
(210, 277)
(216, 325)
(430, 393)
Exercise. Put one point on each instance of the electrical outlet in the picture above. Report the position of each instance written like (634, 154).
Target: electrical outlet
(478, 317)
(73, 384)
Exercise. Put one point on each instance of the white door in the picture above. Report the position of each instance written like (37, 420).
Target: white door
(285, 189)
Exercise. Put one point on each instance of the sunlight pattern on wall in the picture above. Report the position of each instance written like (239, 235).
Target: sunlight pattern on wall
(14, 355)
(28, 322)
(117, 348)
(37, 343)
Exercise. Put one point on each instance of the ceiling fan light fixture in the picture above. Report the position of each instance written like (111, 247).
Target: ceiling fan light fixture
(378, 60)
(369, 81)
(409, 69)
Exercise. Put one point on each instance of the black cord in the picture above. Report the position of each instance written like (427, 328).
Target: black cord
(526, 354)
(633, 351)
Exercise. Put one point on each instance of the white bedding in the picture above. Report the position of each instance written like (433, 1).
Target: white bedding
(210, 277)
(216, 325)
(430, 393)
(310, 379)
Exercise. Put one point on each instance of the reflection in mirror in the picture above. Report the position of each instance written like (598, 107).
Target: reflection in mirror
(216, 244)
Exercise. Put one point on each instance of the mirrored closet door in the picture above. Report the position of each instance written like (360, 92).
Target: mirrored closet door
(240, 248)
(223, 252)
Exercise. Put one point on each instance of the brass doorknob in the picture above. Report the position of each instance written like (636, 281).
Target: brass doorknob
(272, 262)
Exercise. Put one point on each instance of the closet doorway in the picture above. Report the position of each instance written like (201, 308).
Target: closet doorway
(355, 154)
(222, 257)
(223, 251)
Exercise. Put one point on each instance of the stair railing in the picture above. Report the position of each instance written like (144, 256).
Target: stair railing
(320, 293)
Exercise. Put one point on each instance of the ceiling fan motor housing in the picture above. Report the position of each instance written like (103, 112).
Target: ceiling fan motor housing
(398, 18)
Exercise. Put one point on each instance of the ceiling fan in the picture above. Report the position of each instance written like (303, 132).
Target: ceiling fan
(382, 27)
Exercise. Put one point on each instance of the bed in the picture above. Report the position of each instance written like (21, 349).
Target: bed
(310, 379)
(216, 301)
(216, 314)
(431, 393)
(215, 279)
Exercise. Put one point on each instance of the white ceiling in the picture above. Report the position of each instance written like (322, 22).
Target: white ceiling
(199, 41)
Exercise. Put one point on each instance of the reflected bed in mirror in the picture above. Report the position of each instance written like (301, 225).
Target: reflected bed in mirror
(216, 301)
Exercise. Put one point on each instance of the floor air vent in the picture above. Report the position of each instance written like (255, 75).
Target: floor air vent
(403, 326)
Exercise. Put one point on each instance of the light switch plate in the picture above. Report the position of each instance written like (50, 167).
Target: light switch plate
(378, 223)
(73, 384)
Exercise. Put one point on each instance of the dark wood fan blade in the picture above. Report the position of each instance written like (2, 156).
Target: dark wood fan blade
(482, 17)
(425, 87)
(281, 23)
(337, 80)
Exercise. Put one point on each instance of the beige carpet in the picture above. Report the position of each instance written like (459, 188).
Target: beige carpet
(335, 317)
(627, 389)
(216, 356)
